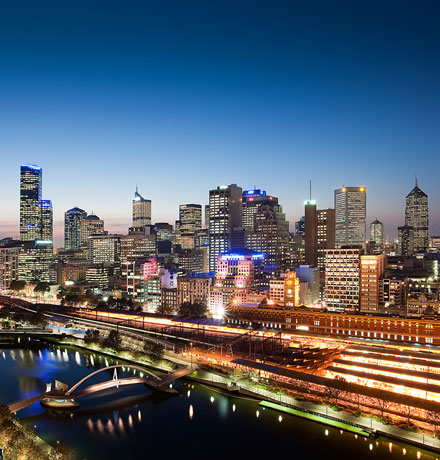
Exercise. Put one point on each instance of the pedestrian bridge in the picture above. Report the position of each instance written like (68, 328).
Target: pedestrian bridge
(65, 397)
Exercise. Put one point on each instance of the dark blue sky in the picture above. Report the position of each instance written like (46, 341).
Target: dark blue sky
(182, 96)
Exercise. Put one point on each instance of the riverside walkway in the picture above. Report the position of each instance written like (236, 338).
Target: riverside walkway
(324, 413)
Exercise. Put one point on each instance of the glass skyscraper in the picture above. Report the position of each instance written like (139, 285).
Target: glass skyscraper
(30, 196)
(351, 213)
(224, 214)
(72, 228)
(141, 210)
(416, 216)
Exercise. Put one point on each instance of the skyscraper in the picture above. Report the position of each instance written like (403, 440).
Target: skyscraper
(350, 208)
(311, 233)
(72, 228)
(141, 210)
(224, 214)
(190, 221)
(319, 234)
(36, 227)
(252, 200)
(377, 234)
(30, 196)
(406, 240)
(90, 225)
(416, 216)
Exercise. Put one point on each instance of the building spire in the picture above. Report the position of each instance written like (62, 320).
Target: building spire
(136, 187)
(417, 179)
(310, 187)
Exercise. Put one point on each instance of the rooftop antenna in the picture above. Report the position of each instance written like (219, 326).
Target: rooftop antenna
(310, 187)
(136, 187)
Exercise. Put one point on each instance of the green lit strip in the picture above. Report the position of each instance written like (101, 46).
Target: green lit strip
(315, 418)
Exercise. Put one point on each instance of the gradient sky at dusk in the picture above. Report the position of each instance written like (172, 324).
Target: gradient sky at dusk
(182, 96)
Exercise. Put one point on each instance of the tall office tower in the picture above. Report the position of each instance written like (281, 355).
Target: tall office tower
(350, 208)
(30, 195)
(90, 225)
(46, 222)
(342, 277)
(300, 226)
(319, 234)
(271, 236)
(372, 268)
(72, 228)
(252, 200)
(405, 246)
(224, 214)
(416, 216)
(311, 233)
(207, 216)
(326, 234)
(36, 227)
(141, 210)
(377, 233)
(190, 221)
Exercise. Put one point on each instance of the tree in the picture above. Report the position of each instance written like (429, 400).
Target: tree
(91, 336)
(433, 417)
(17, 285)
(154, 350)
(165, 309)
(113, 340)
(42, 287)
(38, 318)
(197, 309)
(409, 412)
(382, 404)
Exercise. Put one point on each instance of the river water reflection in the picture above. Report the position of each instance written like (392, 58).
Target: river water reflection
(200, 422)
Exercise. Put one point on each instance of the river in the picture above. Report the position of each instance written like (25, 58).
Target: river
(200, 422)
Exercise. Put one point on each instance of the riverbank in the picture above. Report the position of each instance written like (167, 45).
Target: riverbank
(361, 425)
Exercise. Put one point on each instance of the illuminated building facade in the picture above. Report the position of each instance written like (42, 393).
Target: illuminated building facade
(338, 325)
(251, 202)
(193, 260)
(72, 228)
(270, 236)
(31, 177)
(372, 268)
(291, 290)
(342, 276)
(34, 261)
(138, 246)
(405, 235)
(104, 249)
(141, 210)
(190, 221)
(90, 225)
(8, 266)
(377, 233)
(225, 212)
(319, 234)
(417, 217)
(350, 214)
(194, 288)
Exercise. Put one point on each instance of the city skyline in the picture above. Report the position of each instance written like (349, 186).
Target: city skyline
(119, 223)
(181, 100)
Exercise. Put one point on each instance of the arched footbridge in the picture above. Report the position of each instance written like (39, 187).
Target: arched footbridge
(64, 397)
